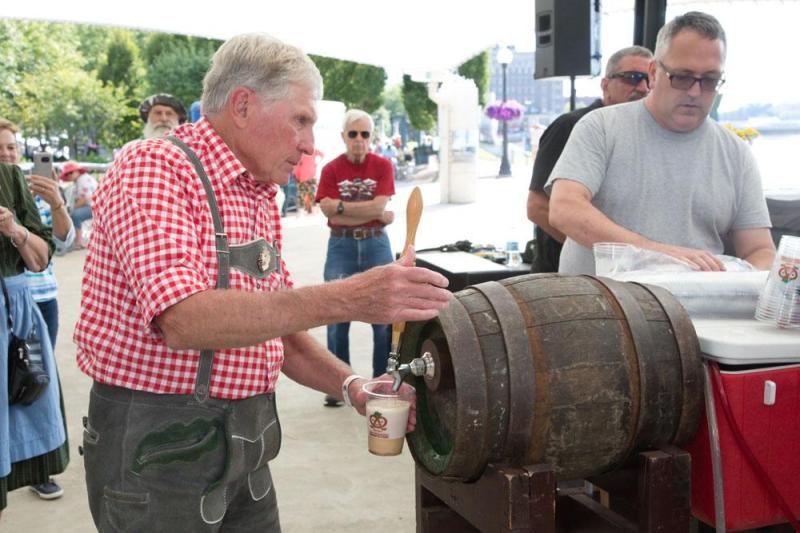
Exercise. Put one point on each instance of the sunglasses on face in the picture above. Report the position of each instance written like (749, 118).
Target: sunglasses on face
(631, 77)
(353, 134)
(684, 82)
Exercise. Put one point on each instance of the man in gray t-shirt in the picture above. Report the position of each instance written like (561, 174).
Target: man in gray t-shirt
(657, 173)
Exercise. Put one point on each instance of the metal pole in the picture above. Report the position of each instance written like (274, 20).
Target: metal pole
(505, 167)
(572, 93)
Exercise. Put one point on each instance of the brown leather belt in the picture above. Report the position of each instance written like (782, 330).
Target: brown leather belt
(356, 233)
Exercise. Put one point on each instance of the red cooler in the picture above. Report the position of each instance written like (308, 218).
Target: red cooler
(760, 371)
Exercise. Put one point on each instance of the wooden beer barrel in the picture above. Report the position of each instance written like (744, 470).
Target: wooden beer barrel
(574, 371)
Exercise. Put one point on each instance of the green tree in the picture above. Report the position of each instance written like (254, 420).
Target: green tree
(73, 102)
(157, 44)
(32, 48)
(421, 109)
(93, 44)
(477, 70)
(179, 72)
(122, 67)
(354, 84)
(393, 101)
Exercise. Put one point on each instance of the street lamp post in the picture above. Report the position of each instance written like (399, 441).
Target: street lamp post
(504, 57)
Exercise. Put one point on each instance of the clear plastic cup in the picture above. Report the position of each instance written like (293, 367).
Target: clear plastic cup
(610, 257)
(387, 416)
(779, 301)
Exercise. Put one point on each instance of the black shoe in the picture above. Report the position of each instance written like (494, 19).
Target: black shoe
(330, 401)
(48, 491)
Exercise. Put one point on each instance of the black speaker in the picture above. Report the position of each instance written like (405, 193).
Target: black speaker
(567, 38)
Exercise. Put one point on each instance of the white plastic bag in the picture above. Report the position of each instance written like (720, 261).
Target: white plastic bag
(729, 294)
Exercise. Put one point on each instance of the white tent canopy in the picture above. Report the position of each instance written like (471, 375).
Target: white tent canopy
(412, 36)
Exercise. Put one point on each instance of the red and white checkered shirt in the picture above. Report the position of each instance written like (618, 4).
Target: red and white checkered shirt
(152, 246)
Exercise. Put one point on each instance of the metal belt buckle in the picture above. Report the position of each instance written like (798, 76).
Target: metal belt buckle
(360, 233)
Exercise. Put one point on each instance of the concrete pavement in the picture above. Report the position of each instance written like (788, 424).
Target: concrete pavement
(325, 478)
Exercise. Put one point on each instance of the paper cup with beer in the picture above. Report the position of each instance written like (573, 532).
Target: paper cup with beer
(387, 416)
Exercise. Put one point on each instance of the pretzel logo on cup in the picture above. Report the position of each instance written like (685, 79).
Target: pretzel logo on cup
(378, 421)
(787, 272)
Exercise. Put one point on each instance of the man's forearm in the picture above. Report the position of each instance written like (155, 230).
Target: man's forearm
(349, 220)
(251, 317)
(582, 222)
(761, 258)
(586, 225)
(371, 208)
(366, 210)
(382, 295)
(539, 214)
(308, 363)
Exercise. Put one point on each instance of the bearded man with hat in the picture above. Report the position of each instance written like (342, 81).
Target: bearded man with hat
(161, 112)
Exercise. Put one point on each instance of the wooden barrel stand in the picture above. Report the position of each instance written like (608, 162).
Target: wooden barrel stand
(652, 497)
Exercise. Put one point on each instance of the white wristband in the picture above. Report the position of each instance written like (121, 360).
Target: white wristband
(346, 385)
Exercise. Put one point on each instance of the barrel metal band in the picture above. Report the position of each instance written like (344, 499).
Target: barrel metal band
(522, 386)
(642, 342)
(691, 364)
(470, 436)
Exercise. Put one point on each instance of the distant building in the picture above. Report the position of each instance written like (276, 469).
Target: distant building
(541, 97)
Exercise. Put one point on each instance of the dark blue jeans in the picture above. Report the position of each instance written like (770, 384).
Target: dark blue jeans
(348, 256)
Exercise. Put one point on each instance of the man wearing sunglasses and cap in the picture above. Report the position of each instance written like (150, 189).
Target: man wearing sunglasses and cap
(657, 173)
(626, 80)
(353, 192)
(161, 113)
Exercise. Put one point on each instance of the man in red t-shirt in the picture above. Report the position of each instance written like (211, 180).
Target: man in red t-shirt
(353, 192)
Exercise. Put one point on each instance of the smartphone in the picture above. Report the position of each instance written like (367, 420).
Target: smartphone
(42, 164)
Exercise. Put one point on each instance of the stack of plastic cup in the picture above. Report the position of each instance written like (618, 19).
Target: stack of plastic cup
(611, 257)
(779, 301)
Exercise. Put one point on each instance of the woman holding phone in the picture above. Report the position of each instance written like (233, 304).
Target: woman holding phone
(43, 285)
(32, 437)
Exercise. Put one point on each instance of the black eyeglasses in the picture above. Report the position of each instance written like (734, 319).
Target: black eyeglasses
(353, 134)
(684, 82)
(631, 77)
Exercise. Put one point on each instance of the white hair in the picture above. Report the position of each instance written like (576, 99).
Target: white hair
(356, 114)
(259, 62)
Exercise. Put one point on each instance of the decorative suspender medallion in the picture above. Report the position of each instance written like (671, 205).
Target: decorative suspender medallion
(264, 259)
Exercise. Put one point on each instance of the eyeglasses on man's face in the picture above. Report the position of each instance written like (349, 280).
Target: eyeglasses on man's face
(353, 134)
(684, 82)
(631, 77)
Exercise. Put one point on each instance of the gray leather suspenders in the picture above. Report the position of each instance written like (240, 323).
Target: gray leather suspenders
(256, 258)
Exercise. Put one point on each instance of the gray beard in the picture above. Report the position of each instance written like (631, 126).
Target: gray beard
(156, 131)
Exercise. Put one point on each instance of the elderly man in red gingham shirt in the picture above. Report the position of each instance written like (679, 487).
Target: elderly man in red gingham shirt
(185, 321)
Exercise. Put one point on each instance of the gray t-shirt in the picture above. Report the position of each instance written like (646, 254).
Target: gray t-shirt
(685, 189)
